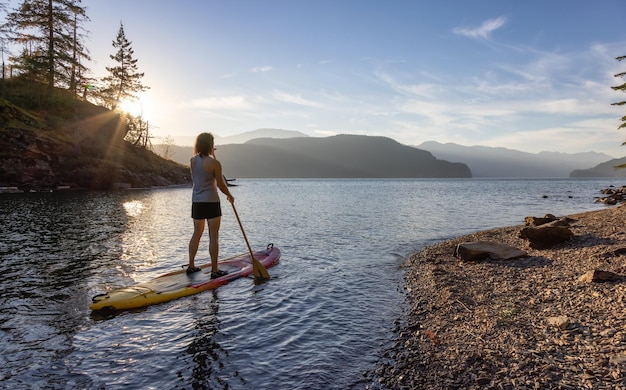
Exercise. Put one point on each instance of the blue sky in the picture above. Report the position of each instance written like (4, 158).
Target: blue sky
(528, 75)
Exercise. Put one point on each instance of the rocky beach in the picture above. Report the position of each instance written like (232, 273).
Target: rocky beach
(552, 319)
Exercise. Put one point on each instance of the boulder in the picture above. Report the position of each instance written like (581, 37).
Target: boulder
(613, 195)
(560, 222)
(537, 221)
(546, 236)
(598, 276)
(478, 250)
(548, 220)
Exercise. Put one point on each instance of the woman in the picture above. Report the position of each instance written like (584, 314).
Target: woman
(206, 174)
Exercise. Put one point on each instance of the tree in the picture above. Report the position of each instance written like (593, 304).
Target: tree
(77, 74)
(124, 84)
(124, 80)
(49, 31)
(623, 89)
(137, 131)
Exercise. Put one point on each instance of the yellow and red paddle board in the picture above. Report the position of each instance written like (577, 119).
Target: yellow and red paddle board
(180, 284)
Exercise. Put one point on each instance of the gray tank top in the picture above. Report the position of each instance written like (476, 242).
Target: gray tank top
(204, 183)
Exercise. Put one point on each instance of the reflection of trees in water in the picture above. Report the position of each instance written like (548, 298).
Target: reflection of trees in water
(208, 356)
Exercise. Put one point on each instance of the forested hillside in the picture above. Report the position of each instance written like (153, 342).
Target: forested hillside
(69, 143)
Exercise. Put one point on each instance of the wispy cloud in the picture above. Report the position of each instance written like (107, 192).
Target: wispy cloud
(426, 90)
(286, 97)
(482, 32)
(222, 103)
(538, 102)
(261, 69)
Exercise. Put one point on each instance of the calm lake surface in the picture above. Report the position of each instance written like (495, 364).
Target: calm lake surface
(323, 321)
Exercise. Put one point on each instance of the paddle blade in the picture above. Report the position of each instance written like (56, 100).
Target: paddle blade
(259, 271)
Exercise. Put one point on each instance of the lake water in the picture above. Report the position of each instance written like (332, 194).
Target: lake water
(323, 321)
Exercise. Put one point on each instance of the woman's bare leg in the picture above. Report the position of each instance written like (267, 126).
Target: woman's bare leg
(214, 229)
(194, 242)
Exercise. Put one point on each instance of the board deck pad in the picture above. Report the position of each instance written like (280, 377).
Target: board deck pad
(180, 284)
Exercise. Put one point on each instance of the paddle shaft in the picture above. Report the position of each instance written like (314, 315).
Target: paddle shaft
(258, 268)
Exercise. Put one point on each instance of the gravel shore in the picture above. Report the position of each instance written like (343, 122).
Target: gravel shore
(527, 323)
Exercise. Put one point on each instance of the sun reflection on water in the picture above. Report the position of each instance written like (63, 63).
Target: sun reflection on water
(133, 208)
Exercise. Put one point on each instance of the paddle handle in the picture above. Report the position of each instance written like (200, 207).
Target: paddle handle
(242, 231)
(257, 268)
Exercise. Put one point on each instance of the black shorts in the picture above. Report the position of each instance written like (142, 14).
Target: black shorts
(205, 210)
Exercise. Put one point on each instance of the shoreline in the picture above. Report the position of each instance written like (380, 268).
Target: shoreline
(491, 324)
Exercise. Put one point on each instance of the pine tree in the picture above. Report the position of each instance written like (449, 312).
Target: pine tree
(124, 80)
(80, 54)
(53, 51)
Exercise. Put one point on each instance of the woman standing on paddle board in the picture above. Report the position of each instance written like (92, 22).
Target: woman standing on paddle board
(206, 174)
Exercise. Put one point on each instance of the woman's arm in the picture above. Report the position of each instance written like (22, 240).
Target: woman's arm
(221, 182)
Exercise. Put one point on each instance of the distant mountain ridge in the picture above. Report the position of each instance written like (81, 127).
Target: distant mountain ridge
(606, 169)
(259, 133)
(482, 161)
(487, 161)
(341, 156)
(185, 141)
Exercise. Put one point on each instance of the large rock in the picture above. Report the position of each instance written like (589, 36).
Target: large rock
(538, 221)
(598, 276)
(548, 220)
(546, 236)
(614, 195)
(560, 222)
(478, 250)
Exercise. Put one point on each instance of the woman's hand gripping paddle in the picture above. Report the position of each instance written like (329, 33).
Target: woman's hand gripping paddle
(258, 269)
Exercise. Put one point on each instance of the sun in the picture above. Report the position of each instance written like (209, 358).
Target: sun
(141, 105)
(132, 107)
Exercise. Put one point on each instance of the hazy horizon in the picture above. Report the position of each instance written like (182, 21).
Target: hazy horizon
(188, 141)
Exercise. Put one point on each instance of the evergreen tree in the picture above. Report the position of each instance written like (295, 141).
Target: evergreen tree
(52, 45)
(623, 89)
(77, 72)
(124, 81)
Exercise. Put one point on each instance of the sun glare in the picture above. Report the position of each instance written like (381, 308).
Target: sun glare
(142, 107)
(132, 107)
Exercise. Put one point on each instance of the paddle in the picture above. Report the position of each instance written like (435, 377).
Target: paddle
(257, 268)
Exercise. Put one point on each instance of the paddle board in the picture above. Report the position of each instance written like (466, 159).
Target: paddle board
(180, 284)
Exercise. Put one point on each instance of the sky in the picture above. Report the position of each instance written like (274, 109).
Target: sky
(532, 75)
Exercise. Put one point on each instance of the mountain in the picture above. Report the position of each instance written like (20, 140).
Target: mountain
(341, 156)
(179, 154)
(487, 161)
(258, 133)
(243, 137)
(606, 169)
